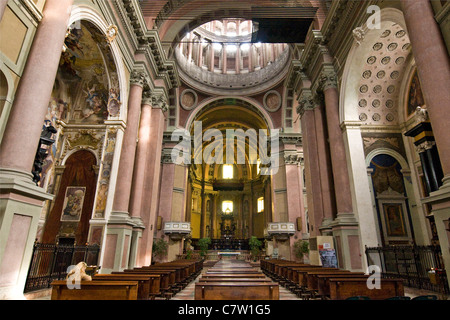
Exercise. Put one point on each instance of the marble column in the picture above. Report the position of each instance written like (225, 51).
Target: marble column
(127, 156)
(119, 235)
(33, 94)
(135, 207)
(328, 84)
(345, 227)
(433, 66)
(141, 156)
(3, 4)
(21, 201)
(326, 174)
(312, 173)
(152, 177)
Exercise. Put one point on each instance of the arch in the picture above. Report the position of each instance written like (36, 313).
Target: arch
(8, 82)
(251, 102)
(71, 152)
(348, 111)
(84, 12)
(403, 163)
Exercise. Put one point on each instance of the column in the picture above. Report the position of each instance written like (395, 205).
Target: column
(312, 173)
(119, 231)
(152, 177)
(3, 4)
(127, 155)
(137, 195)
(32, 95)
(345, 226)
(21, 200)
(326, 174)
(433, 66)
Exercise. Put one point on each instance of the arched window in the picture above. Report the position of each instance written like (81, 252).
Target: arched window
(227, 171)
(227, 206)
(260, 204)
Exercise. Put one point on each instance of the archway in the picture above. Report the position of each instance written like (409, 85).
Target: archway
(230, 199)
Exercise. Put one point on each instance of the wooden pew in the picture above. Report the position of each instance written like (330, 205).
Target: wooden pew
(343, 288)
(95, 290)
(323, 286)
(235, 280)
(234, 275)
(148, 285)
(312, 284)
(236, 291)
(167, 279)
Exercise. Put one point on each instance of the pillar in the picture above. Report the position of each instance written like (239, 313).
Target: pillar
(119, 232)
(21, 200)
(326, 178)
(312, 173)
(345, 227)
(433, 67)
(137, 195)
(151, 186)
(3, 5)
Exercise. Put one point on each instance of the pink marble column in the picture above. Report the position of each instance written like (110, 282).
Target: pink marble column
(127, 155)
(152, 180)
(336, 140)
(433, 67)
(21, 137)
(141, 157)
(326, 179)
(313, 183)
(3, 4)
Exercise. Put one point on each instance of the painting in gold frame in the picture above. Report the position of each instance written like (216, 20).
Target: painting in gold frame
(394, 217)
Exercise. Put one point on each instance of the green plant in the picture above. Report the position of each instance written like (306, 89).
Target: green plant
(301, 248)
(203, 244)
(188, 254)
(159, 247)
(255, 246)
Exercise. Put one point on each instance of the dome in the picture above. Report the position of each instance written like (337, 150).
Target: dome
(220, 55)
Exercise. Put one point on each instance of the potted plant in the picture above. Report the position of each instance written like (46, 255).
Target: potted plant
(301, 247)
(159, 248)
(203, 244)
(255, 246)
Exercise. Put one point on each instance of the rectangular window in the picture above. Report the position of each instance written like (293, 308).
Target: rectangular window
(227, 172)
(227, 206)
(260, 204)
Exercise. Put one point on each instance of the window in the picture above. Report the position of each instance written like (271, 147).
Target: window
(227, 206)
(258, 166)
(227, 172)
(260, 204)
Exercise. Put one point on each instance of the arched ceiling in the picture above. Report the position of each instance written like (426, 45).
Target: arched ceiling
(175, 18)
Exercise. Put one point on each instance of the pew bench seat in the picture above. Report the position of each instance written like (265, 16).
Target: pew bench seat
(95, 290)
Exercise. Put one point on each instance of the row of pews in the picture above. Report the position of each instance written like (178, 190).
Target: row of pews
(235, 280)
(145, 283)
(310, 281)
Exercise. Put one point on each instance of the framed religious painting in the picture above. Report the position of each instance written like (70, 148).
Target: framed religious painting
(73, 203)
(395, 221)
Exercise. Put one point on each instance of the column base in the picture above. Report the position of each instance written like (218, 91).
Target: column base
(345, 229)
(325, 228)
(118, 241)
(21, 202)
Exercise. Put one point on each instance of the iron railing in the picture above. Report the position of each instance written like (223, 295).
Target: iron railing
(50, 262)
(412, 264)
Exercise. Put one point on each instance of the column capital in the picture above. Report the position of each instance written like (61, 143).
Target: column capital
(147, 96)
(159, 101)
(327, 79)
(138, 78)
(305, 102)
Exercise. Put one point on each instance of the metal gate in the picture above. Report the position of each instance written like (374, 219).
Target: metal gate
(50, 262)
(412, 264)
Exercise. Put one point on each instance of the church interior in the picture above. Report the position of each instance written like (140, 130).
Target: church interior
(231, 150)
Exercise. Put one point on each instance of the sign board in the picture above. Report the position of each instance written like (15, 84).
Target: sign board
(328, 258)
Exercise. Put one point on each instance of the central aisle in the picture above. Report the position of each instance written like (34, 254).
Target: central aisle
(188, 293)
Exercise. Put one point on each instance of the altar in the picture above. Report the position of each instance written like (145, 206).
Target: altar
(228, 254)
